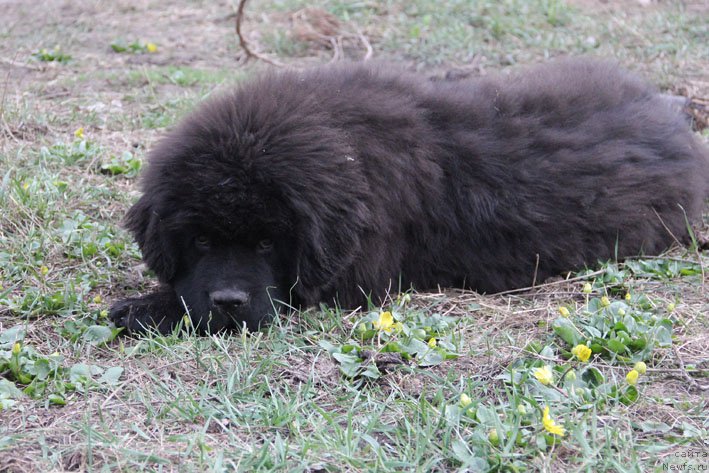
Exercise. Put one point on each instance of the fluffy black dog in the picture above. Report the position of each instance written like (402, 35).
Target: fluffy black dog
(340, 183)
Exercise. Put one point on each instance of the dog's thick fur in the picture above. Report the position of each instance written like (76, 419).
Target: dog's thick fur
(344, 182)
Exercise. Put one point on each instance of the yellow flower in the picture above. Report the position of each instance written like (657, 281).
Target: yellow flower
(544, 375)
(605, 302)
(432, 343)
(628, 296)
(385, 322)
(564, 311)
(587, 288)
(43, 270)
(79, 133)
(465, 400)
(493, 437)
(671, 307)
(550, 425)
(582, 352)
(632, 377)
(521, 409)
(640, 367)
(25, 185)
(97, 299)
(16, 348)
(186, 320)
(621, 312)
(151, 47)
(103, 314)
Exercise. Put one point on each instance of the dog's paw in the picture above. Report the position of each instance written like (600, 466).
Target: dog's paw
(131, 314)
(120, 311)
(154, 311)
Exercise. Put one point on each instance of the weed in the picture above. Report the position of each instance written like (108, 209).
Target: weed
(136, 47)
(126, 164)
(51, 55)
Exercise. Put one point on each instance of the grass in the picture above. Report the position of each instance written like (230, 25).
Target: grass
(323, 389)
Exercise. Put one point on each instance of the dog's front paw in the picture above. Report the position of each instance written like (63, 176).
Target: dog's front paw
(120, 312)
(155, 311)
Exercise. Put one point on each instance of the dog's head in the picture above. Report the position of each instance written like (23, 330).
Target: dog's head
(223, 281)
(248, 202)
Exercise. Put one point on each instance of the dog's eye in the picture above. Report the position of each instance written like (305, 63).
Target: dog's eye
(265, 245)
(202, 242)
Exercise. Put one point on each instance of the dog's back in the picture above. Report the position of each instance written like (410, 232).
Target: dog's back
(566, 164)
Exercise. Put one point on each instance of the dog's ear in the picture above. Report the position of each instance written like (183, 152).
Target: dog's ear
(322, 258)
(145, 224)
(330, 242)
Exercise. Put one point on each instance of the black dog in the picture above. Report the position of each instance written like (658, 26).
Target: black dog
(341, 183)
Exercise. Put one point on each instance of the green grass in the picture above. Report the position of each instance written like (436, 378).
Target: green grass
(179, 76)
(276, 400)
(488, 33)
(322, 389)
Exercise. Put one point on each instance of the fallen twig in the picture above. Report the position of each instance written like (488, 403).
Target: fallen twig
(549, 284)
(242, 40)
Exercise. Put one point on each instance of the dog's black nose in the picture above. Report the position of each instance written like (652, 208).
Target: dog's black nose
(229, 298)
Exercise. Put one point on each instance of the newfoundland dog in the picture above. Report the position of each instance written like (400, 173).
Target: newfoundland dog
(341, 183)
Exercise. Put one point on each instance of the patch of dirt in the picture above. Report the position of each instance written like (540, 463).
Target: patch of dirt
(74, 461)
(16, 460)
(698, 109)
(308, 368)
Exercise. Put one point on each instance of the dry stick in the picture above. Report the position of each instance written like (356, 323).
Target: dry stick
(336, 48)
(367, 45)
(536, 268)
(242, 40)
(666, 227)
(554, 283)
(335, 42)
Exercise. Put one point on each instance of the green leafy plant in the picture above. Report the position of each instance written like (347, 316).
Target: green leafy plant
(86, 239)
(44, 376)
(627, 330)
(51, 55)
(411, 336)
(592, 361)
(125, 164)
(136, 47)
(35, 301)
(75, 152)
(663, 268)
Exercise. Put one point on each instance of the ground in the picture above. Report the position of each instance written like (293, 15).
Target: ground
(87, 87)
